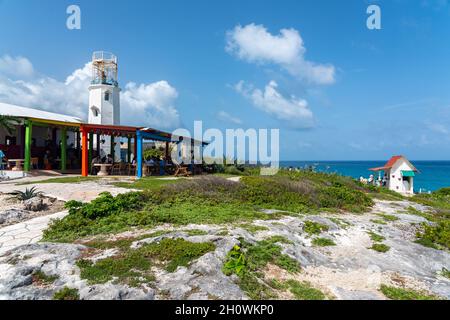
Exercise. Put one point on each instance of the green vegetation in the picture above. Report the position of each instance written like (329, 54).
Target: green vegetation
(342, 223)
(207, 200)
(195, 232)
(66, 294)
(248, 260)
(304, 291)
(376, 237)
(382, 193)
(445, 273)
(323, 242)
(253, 228)
(439, 200)
(413, 211)
(41, 278)
(25, 195)
(147, 183)
(132, 266)
(436, 235)
(76, 179)
(394, 293)
(378, 221)
(388, 217)
(235, 169)
(380, 247)
(311, 227)
(9, 123)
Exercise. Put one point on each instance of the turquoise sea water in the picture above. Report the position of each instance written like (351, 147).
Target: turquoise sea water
(433, 175)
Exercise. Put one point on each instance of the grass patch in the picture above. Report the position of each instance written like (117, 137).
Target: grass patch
(436, 235)
(195, 232)
(146, 183)
(40, 278)
(413, 211)
(132, 266)
(247, 262)
(323, 242)
(253, 228)
(380, 247)
(394, 293)
(376, 237)
(67, 294)
(61, 180)
(342, 223)
(311, 227)
(207, 200)
(445, 273)
(388, 217)
(378, 221)
(304, 291)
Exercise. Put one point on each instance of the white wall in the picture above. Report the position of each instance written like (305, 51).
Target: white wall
(396, 178)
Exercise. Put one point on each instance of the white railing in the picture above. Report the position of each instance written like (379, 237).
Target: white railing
(104, 56)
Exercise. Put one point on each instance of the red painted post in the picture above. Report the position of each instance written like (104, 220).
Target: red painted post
(85, 154)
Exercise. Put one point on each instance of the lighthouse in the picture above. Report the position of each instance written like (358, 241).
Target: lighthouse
(104, 99)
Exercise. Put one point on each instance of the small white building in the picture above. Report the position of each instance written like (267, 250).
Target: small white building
(399, 175)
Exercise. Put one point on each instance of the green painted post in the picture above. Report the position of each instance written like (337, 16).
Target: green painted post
(112, 149)
(129, 150)
(64, 149)
(91, 147)
(28, 137)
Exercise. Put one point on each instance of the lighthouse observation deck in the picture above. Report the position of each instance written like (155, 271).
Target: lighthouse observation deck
(104, 69)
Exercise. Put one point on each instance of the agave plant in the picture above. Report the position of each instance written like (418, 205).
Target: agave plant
(25, 195)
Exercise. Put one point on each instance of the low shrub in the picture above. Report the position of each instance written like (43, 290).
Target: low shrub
(304, 291)
(133, 266)
(323, 242)
(436, 235)
(248, 260)
(380, 247)
(66, 294)
(311, 227)
(394, 293)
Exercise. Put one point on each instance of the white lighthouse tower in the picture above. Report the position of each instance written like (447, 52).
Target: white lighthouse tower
(104, 98)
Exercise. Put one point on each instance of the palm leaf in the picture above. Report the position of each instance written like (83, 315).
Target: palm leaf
(8, 123)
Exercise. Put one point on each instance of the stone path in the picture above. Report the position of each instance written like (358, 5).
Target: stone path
(25, 232)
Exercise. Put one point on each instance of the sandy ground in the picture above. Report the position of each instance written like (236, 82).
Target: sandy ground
(85, 191)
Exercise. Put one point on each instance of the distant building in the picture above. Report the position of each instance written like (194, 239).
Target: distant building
(104, 100)
(399, 175)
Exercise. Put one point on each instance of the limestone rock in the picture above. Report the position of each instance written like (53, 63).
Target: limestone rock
(12, 215)
(34, 204)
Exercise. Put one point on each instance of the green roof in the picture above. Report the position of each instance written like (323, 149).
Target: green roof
(408, 173)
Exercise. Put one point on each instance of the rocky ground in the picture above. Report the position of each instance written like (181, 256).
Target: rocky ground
(347, 270)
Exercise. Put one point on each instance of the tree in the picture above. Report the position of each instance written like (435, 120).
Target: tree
(8, 123)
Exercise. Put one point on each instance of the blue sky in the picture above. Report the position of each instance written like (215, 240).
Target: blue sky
(344, 93)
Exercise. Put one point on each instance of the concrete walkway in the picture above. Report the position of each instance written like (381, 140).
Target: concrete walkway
(26, 232)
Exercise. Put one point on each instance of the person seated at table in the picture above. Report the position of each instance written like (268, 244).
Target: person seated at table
(109, 159)
(150, 162)
(95, 169)
(48, 160)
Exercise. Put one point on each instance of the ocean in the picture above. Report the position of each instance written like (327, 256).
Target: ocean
(432, 175)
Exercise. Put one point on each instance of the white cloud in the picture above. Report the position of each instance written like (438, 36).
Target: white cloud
(437, 127)
(253, 43)
(16, 66)
(293, 111)
(152, 104)
(225, 116)
(143, 105)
